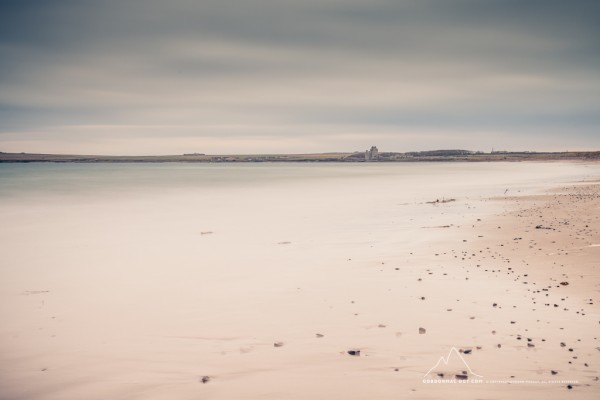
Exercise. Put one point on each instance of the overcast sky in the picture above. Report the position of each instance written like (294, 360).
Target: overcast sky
(267, 76)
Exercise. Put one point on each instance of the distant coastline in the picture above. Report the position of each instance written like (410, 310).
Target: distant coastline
(421, 156)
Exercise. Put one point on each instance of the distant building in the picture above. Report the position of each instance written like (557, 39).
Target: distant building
(372, 155)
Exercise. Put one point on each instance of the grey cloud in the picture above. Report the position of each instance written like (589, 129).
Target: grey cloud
(289, 67)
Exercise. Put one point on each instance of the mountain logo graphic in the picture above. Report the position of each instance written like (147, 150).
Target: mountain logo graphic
(446, 360)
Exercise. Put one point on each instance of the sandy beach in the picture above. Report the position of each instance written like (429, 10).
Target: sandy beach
(297, 200)
(536, 266)
(339, 287)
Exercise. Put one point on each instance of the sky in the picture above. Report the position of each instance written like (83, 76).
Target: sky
(281, 76)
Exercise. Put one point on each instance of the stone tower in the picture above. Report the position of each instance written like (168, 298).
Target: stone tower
(372, 155)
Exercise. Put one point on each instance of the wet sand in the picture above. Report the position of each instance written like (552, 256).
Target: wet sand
(510, 283)
(537, 317)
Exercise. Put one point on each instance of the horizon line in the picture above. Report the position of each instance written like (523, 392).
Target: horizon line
(198, 154)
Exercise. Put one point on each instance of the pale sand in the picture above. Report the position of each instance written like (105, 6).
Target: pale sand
(156, 337)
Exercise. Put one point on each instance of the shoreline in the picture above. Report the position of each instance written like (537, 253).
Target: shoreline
(588, 156)
(518, 305)
(544, 249)
(272, 310)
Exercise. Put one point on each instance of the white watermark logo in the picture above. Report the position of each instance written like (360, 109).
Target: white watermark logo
(462, 373)
(466, 374)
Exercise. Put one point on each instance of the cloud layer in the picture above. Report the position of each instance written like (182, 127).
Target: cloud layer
(240, 76)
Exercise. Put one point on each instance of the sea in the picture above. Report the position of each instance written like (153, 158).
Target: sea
(131, 280)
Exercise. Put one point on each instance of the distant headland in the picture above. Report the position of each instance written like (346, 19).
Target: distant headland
(371, 155)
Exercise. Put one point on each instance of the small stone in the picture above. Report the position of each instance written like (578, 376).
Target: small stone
(319, 335)
(354, 352)
(422, 331)
(553, 372)
(569, 387)
(462, 376)
(205, 379)
(277, 344)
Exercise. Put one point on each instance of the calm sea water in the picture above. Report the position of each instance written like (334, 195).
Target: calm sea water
(488, 178)
(130, 280)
